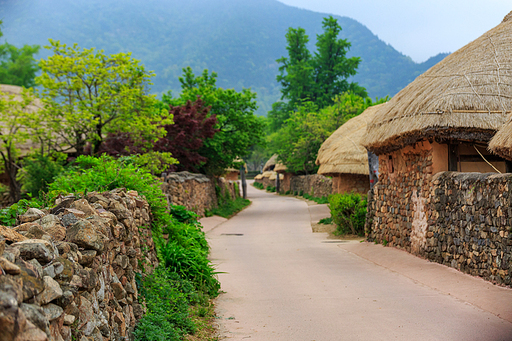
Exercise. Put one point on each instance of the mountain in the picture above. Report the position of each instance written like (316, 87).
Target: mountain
(239, 39)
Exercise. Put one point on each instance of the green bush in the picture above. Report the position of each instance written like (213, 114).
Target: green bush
(326, 221)
(167, 297)
(8, 215)
(271, 189)
(258, 185)
(348, 212)
(39, 171)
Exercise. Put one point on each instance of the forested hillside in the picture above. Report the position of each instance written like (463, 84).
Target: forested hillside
(240, 40)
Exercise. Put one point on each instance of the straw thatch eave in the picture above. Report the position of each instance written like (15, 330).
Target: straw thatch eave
(467, 96)
(280, 168)
(271, 163)
(342, 152)
(501, 143)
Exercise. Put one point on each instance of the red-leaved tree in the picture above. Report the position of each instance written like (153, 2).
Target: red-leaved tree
(192, 125)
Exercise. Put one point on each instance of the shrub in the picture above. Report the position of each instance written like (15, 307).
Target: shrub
(348, 212)
(8, 215)
(258, 185)
(39, 171)
(271, 189)
(326, 221)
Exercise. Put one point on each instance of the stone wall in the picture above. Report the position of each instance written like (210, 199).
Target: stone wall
(196, 191)
(347, 183)
(70, 273)
(462, 220)
(316, 185)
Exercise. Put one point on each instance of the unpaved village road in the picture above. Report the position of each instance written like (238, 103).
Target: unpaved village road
(283, 282)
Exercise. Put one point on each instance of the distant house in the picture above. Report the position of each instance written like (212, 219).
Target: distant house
(442, 121)
(343, 157)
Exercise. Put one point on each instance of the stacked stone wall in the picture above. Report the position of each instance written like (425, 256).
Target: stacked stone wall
(70, 273)
(196, 191)
(315, 184)
(462, 220)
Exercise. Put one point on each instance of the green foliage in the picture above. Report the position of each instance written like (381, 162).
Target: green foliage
(105, 173)
(227, 207)
(348, 212)
(271, 189)
(319, 77)
(155, 162)
(88, 94)
(318, 200)
(39, 171)
(167, 297)
(18, 65)
(258, 185)
(239, 128)
(8, 215)
(326, 221)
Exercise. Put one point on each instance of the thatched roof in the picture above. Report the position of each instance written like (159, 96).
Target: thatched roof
(258, 177)
(266, 174)
(273, 176)
(342, 152)
(270, 163)
(231, 169)
(466, 96)
(280, 168)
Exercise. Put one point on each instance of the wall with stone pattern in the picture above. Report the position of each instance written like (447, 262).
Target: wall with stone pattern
(347, 183)
(196, 191)
(315, 184)
(462, 220)
(69, 273)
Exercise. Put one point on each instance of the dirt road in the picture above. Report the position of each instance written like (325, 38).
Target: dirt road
(283, 282)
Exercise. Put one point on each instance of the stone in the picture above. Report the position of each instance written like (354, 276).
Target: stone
(64, 269)
(31, 215)
(39, 249)
(12, 318)
(83, 205)
(25, 227)
(51, 225)
(10, 235)
(32, 286)
(36, 315)
(69, 319)
(38, 268)
(68, 219)
(66, 299)
(119, 292)
(52, 291)
(8, 267)
(85, 235)
(35, 232)
(62, 203)
(49, 271)
(32, 333)
(119, 210)
(74, 212)
(52, 311)
(66, 333)
(88, 256)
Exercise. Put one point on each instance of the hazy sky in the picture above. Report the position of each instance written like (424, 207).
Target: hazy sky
(418, 28)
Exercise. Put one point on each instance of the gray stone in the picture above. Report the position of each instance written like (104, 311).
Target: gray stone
(49, 271)
(37, 266)
(39, 249)
(51, 225)
(52, 311)
(31, 215)
(52, 291)
(12, 319)
(85, 235)
(68, 219)
(35, 314)
(69, 319)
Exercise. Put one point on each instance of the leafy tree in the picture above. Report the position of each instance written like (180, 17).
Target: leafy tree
(17, 65)
(320, 77)
(183, 139)
(88, 94)
(237, 126)
(20, 124)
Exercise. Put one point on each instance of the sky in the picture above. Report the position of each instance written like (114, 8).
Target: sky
(419, 29)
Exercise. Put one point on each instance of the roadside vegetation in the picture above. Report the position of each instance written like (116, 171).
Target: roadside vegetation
(348, 212)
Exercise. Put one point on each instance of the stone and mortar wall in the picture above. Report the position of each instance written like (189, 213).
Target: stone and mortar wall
(347, 183)
(462, 220)
(195, 191)
(69, 273)
(316, 185)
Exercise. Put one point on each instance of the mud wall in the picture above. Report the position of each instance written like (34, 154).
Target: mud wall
(316, 185)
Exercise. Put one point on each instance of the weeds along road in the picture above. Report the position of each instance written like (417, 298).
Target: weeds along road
(283, 282)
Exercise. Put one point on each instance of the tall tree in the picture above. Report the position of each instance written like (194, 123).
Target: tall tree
(18, 65)
(320, 77)
(237, 126)
(88, 94)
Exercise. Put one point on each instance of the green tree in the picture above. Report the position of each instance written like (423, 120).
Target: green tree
(239, 128)
(20, 123)
(88, 94)
(320, 77)
(18, 65)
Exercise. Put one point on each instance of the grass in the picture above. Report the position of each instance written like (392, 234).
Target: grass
(230, 208)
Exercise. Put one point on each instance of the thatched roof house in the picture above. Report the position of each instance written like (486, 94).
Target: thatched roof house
(343, 152)
(466, 96)
(270, 164)
(442, 121)
(343, 157)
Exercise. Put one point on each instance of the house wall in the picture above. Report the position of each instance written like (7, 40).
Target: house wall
(285, 183)
(462, 220)
(346, 183)
(232, 176)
